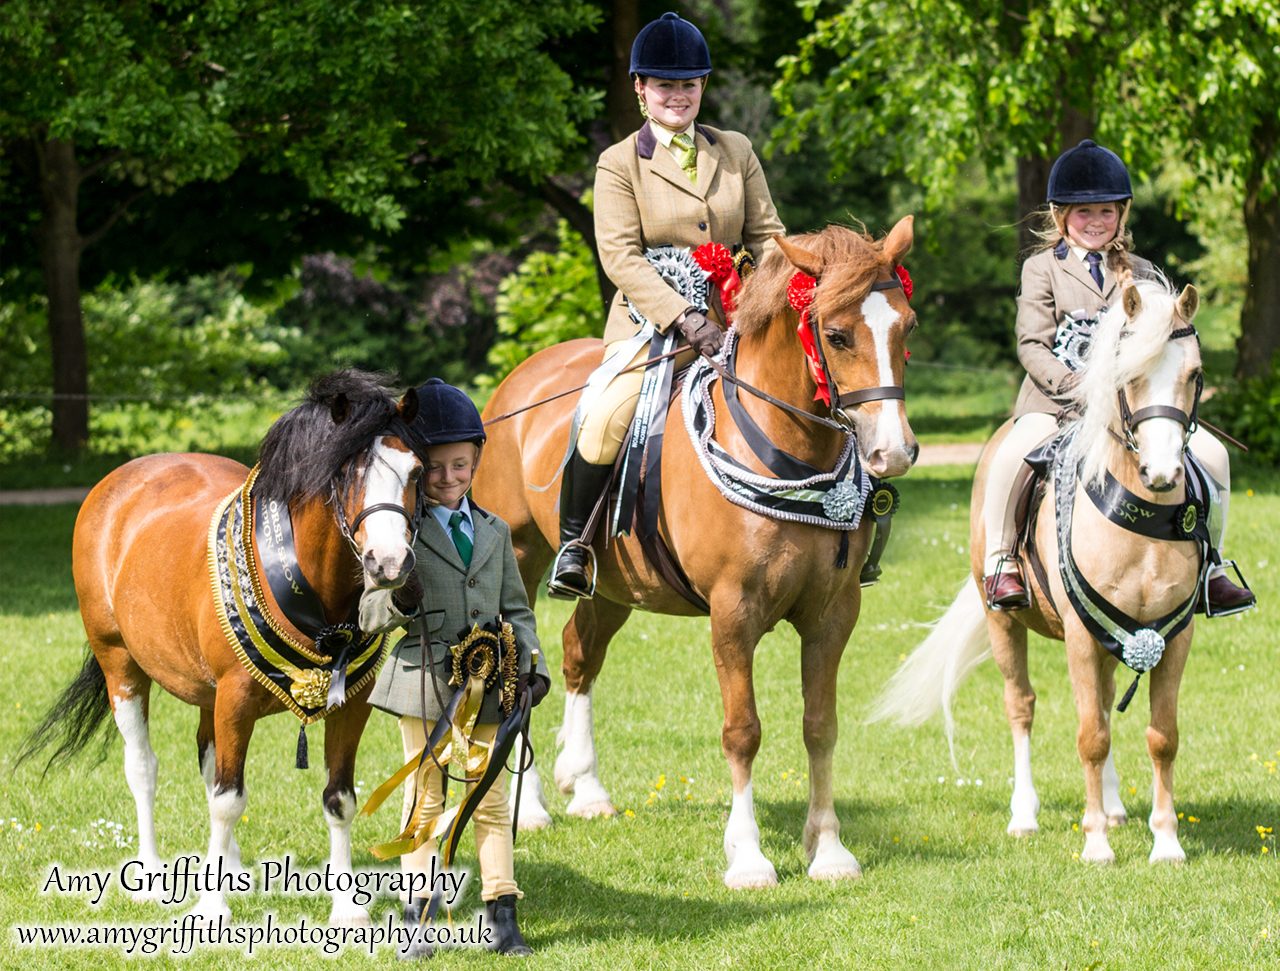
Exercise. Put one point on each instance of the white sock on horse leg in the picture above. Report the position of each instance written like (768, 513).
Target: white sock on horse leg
(141, 767)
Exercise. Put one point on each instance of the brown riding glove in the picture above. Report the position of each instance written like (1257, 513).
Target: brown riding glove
(702, 334)
(538, 686)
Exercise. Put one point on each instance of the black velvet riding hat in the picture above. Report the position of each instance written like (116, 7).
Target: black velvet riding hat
(670, 48)
(1089, 173)
(446, 415)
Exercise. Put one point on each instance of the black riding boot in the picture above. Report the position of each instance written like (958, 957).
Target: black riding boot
(413, 911)
(500, 915)
(580, 488)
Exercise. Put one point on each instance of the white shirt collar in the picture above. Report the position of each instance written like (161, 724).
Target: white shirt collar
(442, 513)
(664, 135)
(1082, 255)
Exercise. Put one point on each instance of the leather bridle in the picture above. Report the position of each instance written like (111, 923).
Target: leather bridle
(1129, 420)
(841, 401)
(402, 432)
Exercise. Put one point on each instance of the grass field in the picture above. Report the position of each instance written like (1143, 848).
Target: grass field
(943, 886)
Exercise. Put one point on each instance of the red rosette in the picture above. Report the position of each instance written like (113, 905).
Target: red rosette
(800, 291)
(716, 260)
(905, 277)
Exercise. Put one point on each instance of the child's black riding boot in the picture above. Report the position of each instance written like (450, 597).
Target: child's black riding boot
(579, 490)
(500, 915)
(419, 948)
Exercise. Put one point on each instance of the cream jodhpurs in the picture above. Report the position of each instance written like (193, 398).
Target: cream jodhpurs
(492, 818)
(1008, 473)
(605, 425)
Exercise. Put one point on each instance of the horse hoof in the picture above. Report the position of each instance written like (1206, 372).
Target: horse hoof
(1167, 849)
(209, 912)
(1117, 819)
(530, 821)
(757, 876)
(590, 809)
(349, 915)
(1021, 828)
(835, 871)
(1099, 857)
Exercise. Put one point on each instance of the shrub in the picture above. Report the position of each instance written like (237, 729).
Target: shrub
(1247, 410)
(550, 298)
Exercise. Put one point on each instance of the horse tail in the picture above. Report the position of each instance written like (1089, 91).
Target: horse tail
(930, 677)
(74, 719)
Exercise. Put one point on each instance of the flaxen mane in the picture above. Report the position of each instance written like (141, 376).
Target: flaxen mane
(851, 260)
(305, 449)
(1120, 352)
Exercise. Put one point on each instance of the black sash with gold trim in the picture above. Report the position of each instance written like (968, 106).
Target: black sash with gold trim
(306, 679)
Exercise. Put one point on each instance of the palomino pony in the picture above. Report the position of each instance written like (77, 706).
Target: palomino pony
(1144, 352)
(752, 571)
(141, 566)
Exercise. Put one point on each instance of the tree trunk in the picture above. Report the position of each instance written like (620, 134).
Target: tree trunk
(583, 220)
(60, 245)
(1260, 316)
(1033, 177)
(624, 109)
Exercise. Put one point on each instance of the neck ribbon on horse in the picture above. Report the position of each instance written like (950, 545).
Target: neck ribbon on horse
(1137, 644)
(309, 681)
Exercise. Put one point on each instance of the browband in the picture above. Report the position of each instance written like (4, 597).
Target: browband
(894, 284)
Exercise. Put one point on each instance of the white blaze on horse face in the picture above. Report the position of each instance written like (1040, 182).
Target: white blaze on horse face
(386, 535)
(1160, 439)
(889, 441)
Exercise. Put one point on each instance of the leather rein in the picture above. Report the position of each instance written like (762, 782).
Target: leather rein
(838, 401)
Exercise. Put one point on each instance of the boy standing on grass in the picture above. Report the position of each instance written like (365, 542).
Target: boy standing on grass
(466, 574)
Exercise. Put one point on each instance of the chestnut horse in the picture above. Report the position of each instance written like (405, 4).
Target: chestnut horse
(140, 561)
(752, 571)
(1144, 351)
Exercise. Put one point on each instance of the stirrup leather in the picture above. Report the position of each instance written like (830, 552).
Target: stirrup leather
(562, 592)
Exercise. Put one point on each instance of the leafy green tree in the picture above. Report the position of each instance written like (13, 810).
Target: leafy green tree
(1207, 79)
(368, 102)
(934, 83)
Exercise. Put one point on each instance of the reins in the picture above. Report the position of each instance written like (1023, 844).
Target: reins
(715, 366)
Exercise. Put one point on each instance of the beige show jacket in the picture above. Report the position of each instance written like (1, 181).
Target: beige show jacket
(1056, 283)
(644, 199)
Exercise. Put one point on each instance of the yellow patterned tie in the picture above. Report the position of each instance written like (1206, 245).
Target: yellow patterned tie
(687, 155)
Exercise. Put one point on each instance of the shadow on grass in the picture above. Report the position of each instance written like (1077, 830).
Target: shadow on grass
(585, 910)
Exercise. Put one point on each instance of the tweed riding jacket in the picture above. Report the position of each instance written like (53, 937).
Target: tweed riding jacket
(1056, 283)
(456, 598)
(644, 199)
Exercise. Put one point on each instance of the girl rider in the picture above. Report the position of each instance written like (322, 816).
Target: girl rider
(673, 183)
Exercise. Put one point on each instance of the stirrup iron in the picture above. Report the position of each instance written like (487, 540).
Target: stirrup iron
(559, 591)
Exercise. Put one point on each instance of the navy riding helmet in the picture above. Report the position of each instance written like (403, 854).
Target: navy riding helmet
(446, 415)
(1088, 173)
(670, 48)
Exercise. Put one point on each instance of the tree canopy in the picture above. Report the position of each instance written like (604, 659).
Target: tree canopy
(933, 83)
(369, 102)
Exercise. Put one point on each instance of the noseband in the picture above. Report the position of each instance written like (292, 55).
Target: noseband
(841, 401)
(1129, 421)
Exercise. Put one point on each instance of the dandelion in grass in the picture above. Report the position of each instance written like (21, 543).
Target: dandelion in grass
(1193, 819)
(629, 814)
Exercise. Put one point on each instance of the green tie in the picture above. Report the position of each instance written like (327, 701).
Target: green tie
(460, 538)
(687, 155)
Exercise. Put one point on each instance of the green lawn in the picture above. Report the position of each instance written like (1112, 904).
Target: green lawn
(943, 886)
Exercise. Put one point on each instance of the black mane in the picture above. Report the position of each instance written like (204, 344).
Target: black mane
(305, 449)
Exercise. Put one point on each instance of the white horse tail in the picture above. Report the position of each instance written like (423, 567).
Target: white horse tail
(930, 677)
